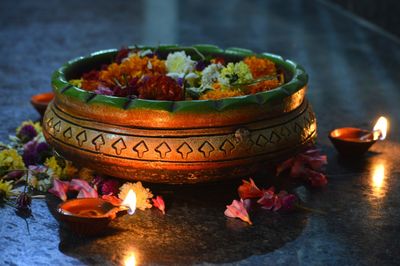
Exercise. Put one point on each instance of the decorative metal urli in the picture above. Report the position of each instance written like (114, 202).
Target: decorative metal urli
(186, 151)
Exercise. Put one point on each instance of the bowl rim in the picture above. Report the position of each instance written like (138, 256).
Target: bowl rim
(298, 81)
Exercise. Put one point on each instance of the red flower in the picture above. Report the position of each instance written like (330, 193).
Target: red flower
(316, 179)
(160, 87)
(287, 201)
(249, 190)
(268, 199)
(307, 165)
(237, 210)
(281, 201)
(109, 187)
(122, 54)
(159, 203)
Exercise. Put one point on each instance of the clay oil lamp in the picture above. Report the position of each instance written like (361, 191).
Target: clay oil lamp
(351, 141)
(90, 216)
(41, 100)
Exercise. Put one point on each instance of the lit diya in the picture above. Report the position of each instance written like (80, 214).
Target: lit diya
(356, 141)
(89, 216)
(40, 101)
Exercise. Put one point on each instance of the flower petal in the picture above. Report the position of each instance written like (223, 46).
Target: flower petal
(78, 184)
(87, 193)
(237, 210)
(283, 166)
(249, 190)
(268, 199)
(159, 203)
(112, 199)
(316, 179)
(60, 189)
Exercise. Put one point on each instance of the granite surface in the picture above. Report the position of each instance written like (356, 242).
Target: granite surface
(353, 80)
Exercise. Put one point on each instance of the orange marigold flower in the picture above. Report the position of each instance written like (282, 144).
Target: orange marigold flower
(111, 74)
(260, 67)
(265, 85)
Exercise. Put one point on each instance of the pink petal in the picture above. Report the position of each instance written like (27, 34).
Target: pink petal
(90, 193)
(78, 184)
(60, 189)
(159, 203)
(237, 210)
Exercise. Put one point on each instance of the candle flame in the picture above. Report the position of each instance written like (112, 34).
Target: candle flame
(380, 128)
(130, 202)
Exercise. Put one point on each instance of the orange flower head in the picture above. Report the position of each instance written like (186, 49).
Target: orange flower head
(260, 67)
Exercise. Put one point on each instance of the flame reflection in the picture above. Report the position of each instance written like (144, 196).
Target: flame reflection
(130, 260)
(378, 180)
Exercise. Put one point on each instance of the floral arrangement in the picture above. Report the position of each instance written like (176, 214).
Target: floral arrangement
(28, 162)
(143, 74)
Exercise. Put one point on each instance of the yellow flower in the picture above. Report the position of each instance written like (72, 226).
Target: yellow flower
(5, 189)
(235, 73)
(66, 171)
(142, 194)
(76, 82)
(11, 160)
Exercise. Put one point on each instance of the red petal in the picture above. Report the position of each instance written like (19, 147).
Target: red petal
(112, 199)
(316, 179)
(159, 203)
(297, 167)
(283, 166)
(249, 190)
(60, 189)
(268, 199)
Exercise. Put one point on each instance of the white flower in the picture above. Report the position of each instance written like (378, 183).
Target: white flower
(190, 78)
(143, 195)
(210, 74)
(179, 62)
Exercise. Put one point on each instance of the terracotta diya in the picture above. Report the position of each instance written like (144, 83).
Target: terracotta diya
(41, 101)
(355, 141)
(90, 216)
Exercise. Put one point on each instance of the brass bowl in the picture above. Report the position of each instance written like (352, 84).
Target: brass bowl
(184, 141)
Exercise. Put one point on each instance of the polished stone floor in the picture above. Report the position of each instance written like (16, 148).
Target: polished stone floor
(354, 77)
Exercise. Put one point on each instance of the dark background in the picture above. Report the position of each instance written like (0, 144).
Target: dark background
(384, 14)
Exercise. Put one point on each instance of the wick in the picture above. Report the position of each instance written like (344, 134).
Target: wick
(371, 134)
